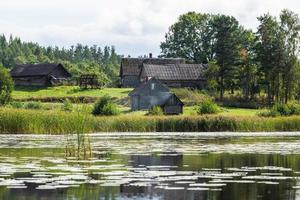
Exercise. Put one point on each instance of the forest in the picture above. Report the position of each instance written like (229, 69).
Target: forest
(78, 59)
(264, 61)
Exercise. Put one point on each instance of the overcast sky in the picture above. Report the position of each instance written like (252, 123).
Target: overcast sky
(135, 27)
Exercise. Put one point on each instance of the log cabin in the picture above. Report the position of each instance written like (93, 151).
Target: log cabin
(39, 74)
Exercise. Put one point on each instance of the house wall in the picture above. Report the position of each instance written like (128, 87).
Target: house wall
(173, 109)
(31, 81)
(130, 81)
(152, 94)
(156, 99)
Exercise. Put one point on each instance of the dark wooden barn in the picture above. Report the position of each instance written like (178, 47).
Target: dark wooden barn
(177, 75)
(39, 74)
(131, 68)
(154, 93)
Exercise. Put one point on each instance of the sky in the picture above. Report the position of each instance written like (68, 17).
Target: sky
(134, 27)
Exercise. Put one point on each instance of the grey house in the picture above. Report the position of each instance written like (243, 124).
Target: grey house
(154, 93)
(175, 75)
(130, 69)
(39, 74)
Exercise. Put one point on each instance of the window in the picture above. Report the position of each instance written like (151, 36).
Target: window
(152, 86)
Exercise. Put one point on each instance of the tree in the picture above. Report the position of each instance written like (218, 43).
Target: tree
(227, 45)
(269, 53)
(290, 26)
(6, 86)
(189, 38)
(247, 70)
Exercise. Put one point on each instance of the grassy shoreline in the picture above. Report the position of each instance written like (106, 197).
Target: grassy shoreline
(19, 121)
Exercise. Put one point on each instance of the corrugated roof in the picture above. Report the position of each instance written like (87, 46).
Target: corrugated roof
(33, 69)
(174, 72)
(133, 66)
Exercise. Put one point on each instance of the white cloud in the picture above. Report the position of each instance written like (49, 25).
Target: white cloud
(135, 27)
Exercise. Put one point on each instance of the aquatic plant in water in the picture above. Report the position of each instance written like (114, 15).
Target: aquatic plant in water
(80, 147)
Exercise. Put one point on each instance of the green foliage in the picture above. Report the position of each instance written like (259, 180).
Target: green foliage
(35, 105)
(280, 109)
(6, 86)
(239, 59)
(67, 105)
(189, 38)
(16, 104)
(155, 111)
(78, 59)
(189, 96)
(208, 107)
(105, 106)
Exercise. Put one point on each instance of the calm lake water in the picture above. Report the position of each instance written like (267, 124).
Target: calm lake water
(151, 167)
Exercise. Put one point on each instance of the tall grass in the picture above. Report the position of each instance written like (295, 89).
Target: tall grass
(18, 121)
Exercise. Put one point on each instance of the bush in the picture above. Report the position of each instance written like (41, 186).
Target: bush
(280, 109)
(6, 86)
(33, 105)
(294, 108)
(208, 107)
(67, 105)
(155, 110)
(105, 106)
(16, 104)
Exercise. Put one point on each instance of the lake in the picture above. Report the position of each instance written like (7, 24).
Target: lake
(152, 166)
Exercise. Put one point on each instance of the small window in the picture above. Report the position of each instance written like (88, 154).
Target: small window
(152, 86)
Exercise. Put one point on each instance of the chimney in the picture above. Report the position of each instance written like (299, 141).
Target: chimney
(150, 55)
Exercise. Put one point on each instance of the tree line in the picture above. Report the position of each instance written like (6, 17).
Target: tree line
(265, 60)
(78, 59)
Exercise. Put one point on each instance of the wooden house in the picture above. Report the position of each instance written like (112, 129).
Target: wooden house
(154, 93)
(130, 69)
(39, 74)
(175, 75)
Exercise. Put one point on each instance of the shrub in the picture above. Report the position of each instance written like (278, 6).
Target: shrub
(67, 105)
(155, 110)
(269, 113)
(294, 108)
(280, 109)
(6, 86)
(36, 105)
(105, 106)
(16, 104)
(208, 107)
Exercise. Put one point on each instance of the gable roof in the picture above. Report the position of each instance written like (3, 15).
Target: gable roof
(34, 69)
(174, 72)
(142, 86)
(168, 101)
(133, 66)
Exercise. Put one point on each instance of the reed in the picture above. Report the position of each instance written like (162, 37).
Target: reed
(19, 121)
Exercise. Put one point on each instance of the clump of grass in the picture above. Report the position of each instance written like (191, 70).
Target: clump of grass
(16, 104)
(35, 105)
(189, 96)
(156, 111)
(67, 106)
(208, 107)
(280, 109)
(105, 107)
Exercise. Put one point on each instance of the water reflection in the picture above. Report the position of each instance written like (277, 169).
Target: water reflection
(176, 168)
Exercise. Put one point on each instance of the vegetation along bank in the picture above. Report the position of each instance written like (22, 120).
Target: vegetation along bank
(16, 121)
